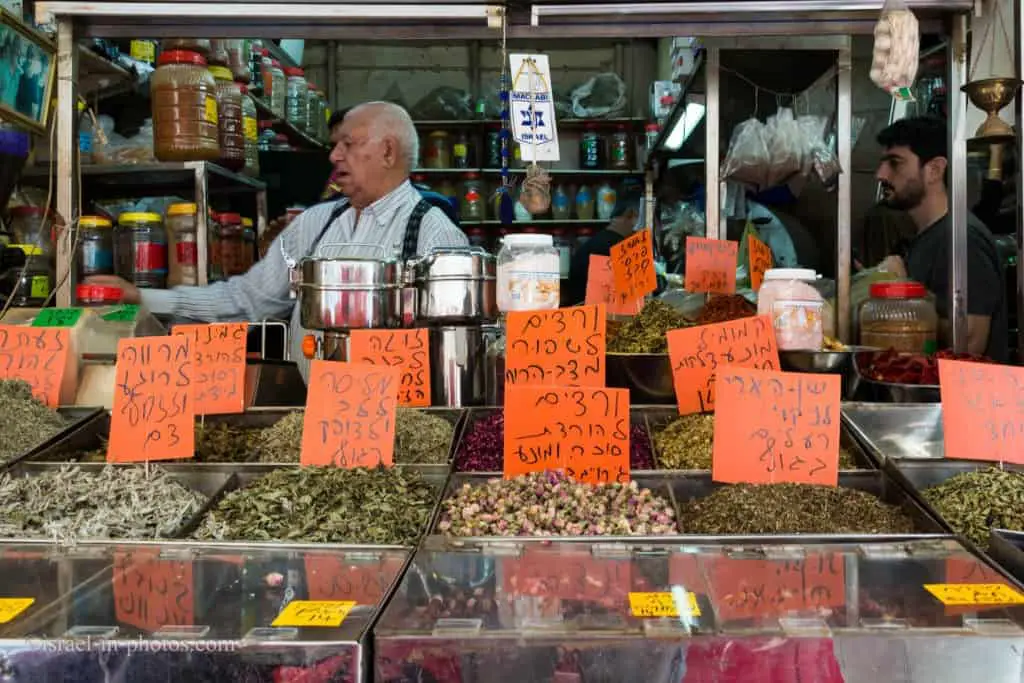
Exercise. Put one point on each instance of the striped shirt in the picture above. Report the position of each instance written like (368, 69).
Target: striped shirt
(263, 292)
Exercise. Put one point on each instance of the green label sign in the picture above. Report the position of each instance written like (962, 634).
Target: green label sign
(57, 317)
(124, 314)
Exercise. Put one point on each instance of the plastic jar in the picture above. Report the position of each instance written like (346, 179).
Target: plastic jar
(899, 316)
(796, 308)
(493, 146)
(248, 243)
(606, 198)
(218, 53)
(215, 264)
(200, 45)
(97, 295)
(561, 204)
(591, 149)
(563, 243)
(250, 131)
(472, 206)
(585, 203)
(183, 254)
(314, 112)
(438, 152)
(29, 225)
(620, 149)
(461, 150)
(184, 103)
(30, 284)
(267, 136)
(229, 119)
(140, 249)
(238, 58)
(95, 246)
(232, 247)
(274, 84)
(528, 273)
(297, 101)
(651, 131)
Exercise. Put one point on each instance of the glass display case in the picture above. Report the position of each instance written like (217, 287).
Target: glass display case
(183, 612)
(605, 613)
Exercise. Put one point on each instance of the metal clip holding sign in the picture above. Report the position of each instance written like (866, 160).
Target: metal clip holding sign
(533, 108)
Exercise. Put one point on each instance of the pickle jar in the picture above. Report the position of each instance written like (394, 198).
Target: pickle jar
(231, 244)
(229, 119)
(184, 103)
(250, 130)
(96, 246)
(472, 205)
(899, 316)
(140, 249)
(439, 153)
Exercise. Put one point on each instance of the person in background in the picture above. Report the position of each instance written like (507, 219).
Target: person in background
(623, 221)
(912, 174)
(376, 148)
(333, 189)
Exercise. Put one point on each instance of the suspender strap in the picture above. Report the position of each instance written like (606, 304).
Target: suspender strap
(412, 229)
(341, 208)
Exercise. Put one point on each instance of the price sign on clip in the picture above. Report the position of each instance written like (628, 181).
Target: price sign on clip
(760, 261)
(633, 266)
(982, 411)
(647, 605)
(153, 416)
(150, 593)
(697, 353)
(960, 594)
(333, 576)
(407, 350)
(601, 288)
(747, 588)
(564, 347)
(314, 613)
(38, 356)
(219, 372)
(710, 265)
(567, 574)
(350, 414)
(10, 608)
(773, 427)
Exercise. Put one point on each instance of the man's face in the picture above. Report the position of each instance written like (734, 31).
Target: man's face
(359, 160)
(903, 178)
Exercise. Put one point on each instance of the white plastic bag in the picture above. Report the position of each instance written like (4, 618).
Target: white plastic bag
(603, 96)
(785, 143)
(897, 44)
(747, 159)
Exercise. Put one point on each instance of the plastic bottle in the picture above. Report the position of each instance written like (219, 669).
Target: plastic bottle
(528, 273)
(561, 205)
(605, 201)
(584, 203)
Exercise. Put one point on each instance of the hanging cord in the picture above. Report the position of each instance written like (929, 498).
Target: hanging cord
(536, 193)
(976, 52)
(506, 207)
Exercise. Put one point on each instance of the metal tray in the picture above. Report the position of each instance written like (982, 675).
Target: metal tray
(240, 476)
(76, 419)
(656, 417)
(680, 488)
(911, 431)
(211, 484)
(1007, 549)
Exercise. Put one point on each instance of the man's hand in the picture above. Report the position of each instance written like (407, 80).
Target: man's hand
(894, 265)
(129, 292)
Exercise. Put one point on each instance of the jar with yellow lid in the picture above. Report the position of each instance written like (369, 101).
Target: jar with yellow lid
(95, 246)
(182, 251)
(899, 316)
(28, 278)
(140, 249)
(249, 242)
(184, 105)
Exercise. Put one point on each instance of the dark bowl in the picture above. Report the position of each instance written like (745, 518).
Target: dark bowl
(648, 376)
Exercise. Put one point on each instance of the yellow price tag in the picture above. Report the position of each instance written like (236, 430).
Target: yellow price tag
(321, 613)
(40, 287)
(251, 129)
(143, 50)
(952, 594)
(211, 110)
(659, 605)
(12, 607)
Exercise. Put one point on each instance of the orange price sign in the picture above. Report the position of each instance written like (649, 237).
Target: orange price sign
(760, 261)
(982, 411)
(569, 575)
(337, 576)
(38, 356)
(154, 414)
(219, 372)
(633, 265)
(564, 347)
(710, 265)
(407, 350)
(150, 593)
(601, 288)
(350, 414)
(584, 431)
(697, 352)
(773, 427)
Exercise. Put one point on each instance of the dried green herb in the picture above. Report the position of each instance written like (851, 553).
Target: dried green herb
(70, 504)
(214, 443)
(282, 441)
(26, 422)
(974, 502)
(791, 509)
(380, 506)
(686, 443)
(422, 438)
(645, 332)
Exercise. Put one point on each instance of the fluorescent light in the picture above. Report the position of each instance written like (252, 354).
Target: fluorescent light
(685, 125)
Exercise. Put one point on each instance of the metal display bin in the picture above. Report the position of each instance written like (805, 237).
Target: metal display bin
(188, 612)
(1007, 549)
(910, 431)
(75, 418)
(815, 611)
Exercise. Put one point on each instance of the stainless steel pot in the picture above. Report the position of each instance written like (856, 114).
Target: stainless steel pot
(338, 293)
(455, 286)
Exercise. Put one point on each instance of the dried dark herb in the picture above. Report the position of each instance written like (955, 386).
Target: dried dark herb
(26, 421)
(645, 332)
(974, 502)
(380, 506)
(422, 438)
(751, 509)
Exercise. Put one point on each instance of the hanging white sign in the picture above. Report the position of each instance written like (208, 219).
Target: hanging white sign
(532, 108)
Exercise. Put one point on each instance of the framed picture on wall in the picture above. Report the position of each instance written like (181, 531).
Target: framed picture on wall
(28, 62)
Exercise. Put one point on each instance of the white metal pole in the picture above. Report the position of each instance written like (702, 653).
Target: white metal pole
(958, 185)
(844, 130)
(712, 120)
(67, 154)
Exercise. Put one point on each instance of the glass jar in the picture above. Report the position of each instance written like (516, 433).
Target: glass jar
(899, 316)
(238, 58)
(563, 243)
(606, 198)
(29, 283)
(218, 53)
(313, 113)
(229, 119)
(591, 149)
(438, 153)
(232, 247)
(200, 45)
(796, 308)
(274, 84)
(493, 157)
(95, 246)
(184, 104)
(183, 253)
(461, 150)
(255, 66)
(561, 204)
(215, 264)
(651, 131)
(31, 225)
(621, 149)
(472, 206)
(528, 273)
(250, 131)
(97, 295)
(267, 135)
(140, 250)
(297, 101)
(585, 204)
(249, 243)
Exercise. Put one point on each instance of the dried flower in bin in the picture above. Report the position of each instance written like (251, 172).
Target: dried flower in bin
(26, 422)
(552, 504)
(974, 502)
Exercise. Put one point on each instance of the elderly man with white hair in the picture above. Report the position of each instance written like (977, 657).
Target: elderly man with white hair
(376, 149)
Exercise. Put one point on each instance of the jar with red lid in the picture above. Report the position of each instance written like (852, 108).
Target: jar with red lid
(472, 206)
(297, 98)
(232, 244)
(250, 131)
(274, 84)
(229, 119)
(184, 105)
(900, 316)
(98, 295)
(200, 45)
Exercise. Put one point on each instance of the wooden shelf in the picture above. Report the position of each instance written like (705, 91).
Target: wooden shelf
(295, 136)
